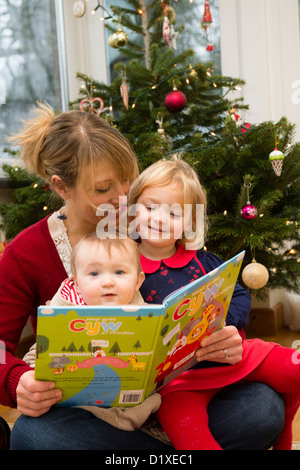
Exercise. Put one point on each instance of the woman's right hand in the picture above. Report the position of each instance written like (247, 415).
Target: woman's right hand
(35, 397)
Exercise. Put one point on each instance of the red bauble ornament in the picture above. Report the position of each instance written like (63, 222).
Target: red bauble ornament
(249, 211)
(245, 126)
(175, 101)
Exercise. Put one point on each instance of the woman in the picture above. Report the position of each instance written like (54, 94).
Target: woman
(88, 163)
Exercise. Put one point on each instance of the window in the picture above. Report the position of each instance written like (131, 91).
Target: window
(190, 14)
(29, 61)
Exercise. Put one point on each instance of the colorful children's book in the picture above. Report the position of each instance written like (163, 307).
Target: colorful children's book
(118, 356)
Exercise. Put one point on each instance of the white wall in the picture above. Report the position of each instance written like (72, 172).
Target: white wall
(85, 46)
(260, 44)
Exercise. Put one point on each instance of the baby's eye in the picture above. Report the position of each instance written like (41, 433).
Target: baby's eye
(94, 273)
(119, 272)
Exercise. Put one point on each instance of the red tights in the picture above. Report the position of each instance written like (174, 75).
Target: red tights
(183, 414)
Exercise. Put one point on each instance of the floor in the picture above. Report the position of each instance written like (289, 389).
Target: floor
(285, 337)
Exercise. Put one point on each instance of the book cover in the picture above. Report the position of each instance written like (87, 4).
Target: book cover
(117, 356)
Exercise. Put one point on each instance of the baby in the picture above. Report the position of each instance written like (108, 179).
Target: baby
(105, 272)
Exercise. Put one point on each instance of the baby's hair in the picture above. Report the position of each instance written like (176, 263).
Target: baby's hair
(121, 244)
(175, 171)
(66, 144)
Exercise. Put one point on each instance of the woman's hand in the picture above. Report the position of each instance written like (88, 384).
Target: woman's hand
(224, 345)
(35, 397)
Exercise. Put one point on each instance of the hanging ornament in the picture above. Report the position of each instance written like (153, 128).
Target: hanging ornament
(245, 126)
(234, 116)
(88, 104)
(79, 8)
(192, 73)
(249, 211)
(118, 39)
(160, 129)
(124, 91)
(276, 158)
(206, 22)
(166, 25)
(175, 101)
(172, 38)
(255, 275)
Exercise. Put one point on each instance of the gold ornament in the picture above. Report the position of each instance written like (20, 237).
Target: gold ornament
(79, 8)
(255, 275)
(118, 39)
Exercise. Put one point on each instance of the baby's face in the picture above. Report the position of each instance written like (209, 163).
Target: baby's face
(107, 279)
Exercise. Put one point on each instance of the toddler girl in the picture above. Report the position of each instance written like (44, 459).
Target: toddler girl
(169, 235)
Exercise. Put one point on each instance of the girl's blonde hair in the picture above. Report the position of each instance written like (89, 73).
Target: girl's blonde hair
(176, 171)
(67, 143)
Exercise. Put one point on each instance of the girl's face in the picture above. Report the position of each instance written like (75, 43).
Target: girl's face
(102, 187)
(160, 221)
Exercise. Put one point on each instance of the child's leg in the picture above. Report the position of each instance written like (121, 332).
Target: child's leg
(279, 371)
(183, 416)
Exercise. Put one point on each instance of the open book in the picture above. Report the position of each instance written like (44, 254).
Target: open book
(117, 356)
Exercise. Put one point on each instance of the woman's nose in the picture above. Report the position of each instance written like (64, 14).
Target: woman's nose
(122, 188)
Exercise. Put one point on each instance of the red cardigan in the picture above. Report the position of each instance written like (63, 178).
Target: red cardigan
(30, 274)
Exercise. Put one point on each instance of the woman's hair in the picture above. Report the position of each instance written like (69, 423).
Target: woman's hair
(66, 144)
(176, 171)
(122, 244)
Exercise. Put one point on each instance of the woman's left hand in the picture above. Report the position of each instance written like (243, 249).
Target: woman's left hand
(224, 345)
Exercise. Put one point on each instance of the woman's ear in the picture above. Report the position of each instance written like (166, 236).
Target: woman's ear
(60, 187)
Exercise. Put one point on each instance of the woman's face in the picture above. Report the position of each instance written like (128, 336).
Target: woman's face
(102, 188)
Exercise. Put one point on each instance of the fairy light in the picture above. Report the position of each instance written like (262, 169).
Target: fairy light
(140, 11)
(133, 106)
(35, 185)
(45, 208)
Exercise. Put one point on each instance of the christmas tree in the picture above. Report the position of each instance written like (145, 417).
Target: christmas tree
(165, 102)
(32, 200)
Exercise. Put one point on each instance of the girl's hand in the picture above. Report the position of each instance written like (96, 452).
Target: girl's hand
(224, 345)
(35, 397)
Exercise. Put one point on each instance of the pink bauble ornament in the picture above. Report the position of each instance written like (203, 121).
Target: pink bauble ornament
(175, 101)
(249, 211)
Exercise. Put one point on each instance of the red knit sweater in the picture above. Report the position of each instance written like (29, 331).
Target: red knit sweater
(30, 274)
